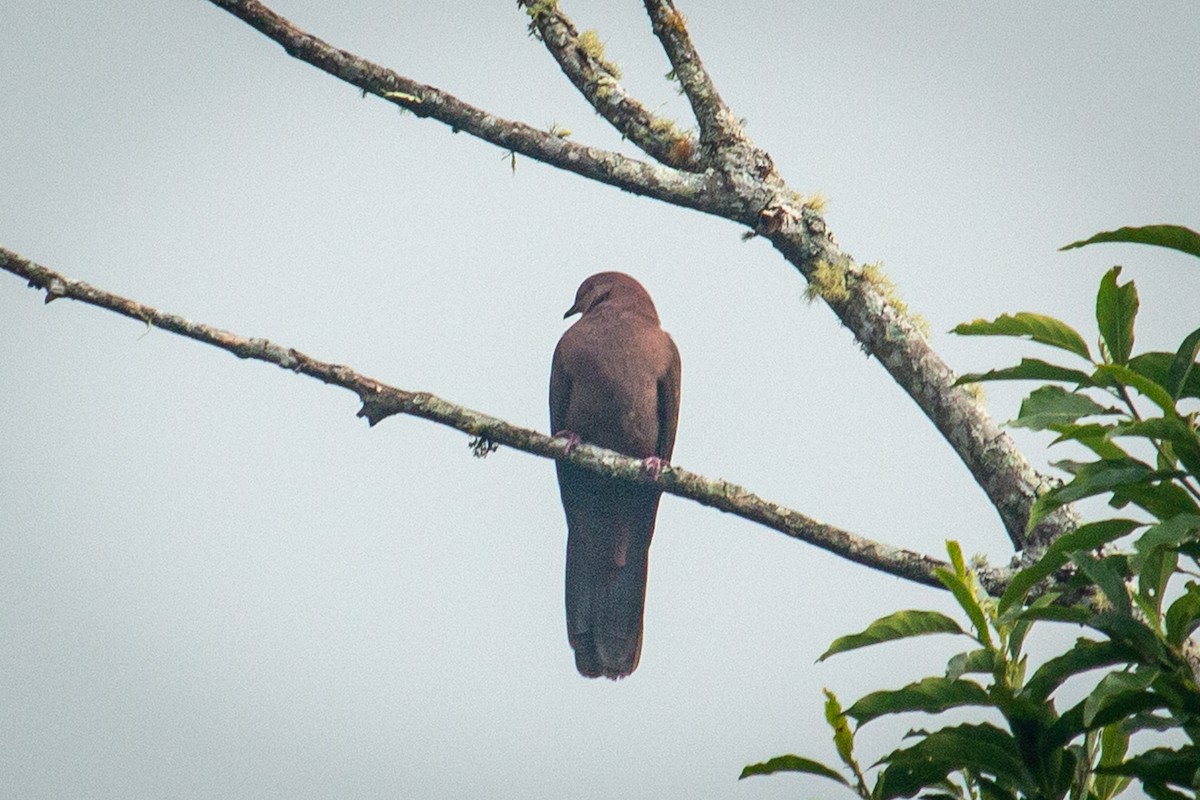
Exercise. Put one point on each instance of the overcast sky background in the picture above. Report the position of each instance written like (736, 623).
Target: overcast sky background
(215, 581)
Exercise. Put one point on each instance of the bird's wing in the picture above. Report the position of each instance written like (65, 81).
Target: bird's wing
(560, 391)
(668, 403)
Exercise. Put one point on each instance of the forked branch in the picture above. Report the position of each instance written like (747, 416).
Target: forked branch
(581, 57)
(605, 166)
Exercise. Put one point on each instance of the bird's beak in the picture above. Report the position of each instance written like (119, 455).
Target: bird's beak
(572, 310)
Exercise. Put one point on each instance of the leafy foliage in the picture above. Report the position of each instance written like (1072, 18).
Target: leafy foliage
(1138, 615)
(1175, 237)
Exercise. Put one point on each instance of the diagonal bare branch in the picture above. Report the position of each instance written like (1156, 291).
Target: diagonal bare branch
(380, 401)
(582, 60)
(718, 126)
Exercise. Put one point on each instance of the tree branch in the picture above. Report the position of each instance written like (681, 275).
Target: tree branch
(718, 126)
(743, 186)
(598, 80)
(630, 174)
(864, 301)
(380, 401)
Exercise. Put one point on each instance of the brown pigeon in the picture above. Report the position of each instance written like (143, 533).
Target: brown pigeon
(614, 383)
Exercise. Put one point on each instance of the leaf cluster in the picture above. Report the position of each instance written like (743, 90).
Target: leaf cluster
(1137, 617)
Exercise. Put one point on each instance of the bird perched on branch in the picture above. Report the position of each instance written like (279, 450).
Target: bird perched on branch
(614, 382)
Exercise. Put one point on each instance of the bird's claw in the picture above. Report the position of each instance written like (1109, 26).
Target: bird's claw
(652, 467)
(572, 438)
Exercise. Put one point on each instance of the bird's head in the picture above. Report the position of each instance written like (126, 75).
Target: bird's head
(611, 289)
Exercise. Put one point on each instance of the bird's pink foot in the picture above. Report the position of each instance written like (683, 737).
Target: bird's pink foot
(572, 438)
(652, 466)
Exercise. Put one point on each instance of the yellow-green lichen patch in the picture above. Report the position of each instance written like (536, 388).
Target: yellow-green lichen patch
(589, 42)
(663, 127)
(536, 9)
(540, 8)
(976, 391)
(827, 282)
(817, 202)
(874, 275)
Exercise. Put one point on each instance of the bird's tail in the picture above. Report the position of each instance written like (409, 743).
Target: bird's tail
(606, 626)
(608, 551)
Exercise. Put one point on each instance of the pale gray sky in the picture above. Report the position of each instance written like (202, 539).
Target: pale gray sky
(215, 581)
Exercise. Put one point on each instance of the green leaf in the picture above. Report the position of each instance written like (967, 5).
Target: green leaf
(1176, 237)
(1114, 742)
(1068, 727)
(990, 790)
(1170, 429)
(1091, 435)
(1116, 374)
(1162, 765)
(1090, 479)
(1087, 654)
(1160, 791)
(1185, 443)
(1183, 365)
(1149, 722)
(1085, 537)
(1038, 327)
(1163, 499)
(954, 550)
(792, 764)
(1124, 706)
(900, 625)
(1170, 533)
(1156, 571)
(980, 662)
(931, 695)
(983, 748)
(1124, 629)
(1115, 687)
(843, 737)
(1158, 366)
(1030, 369)
(1018, 629)
(1071, 466)
(1107, 578)
(1155, 558)
(1183, 616)
(1167, 534)
(1116, 309)
(1054, 405)
(966, 598)
(1077, 616)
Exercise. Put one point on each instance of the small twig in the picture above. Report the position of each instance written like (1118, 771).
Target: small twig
(380, 401)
